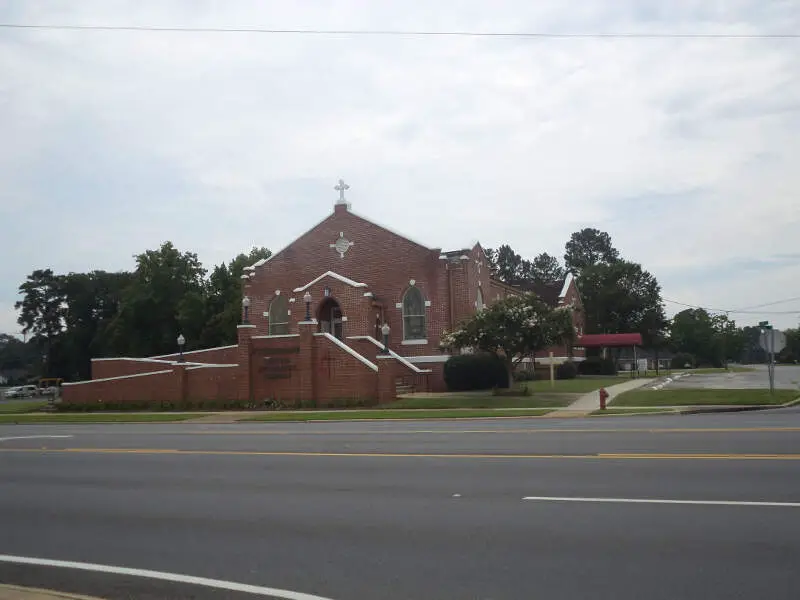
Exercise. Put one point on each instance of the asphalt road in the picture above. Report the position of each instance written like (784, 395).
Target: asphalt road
(786, 377)
(411, 510)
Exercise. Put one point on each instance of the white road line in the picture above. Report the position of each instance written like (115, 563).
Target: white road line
(33, 437)
(663, 501)
(173, 577)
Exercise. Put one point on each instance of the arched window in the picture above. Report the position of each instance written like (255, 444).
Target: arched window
(279, 316)
(479, 301)
(413, 315)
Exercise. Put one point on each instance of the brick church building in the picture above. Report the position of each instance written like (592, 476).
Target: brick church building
(314, 323)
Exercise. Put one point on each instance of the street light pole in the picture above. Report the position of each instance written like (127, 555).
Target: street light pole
(181, 341)
(385, 331)
(307, 300)
(246, 306)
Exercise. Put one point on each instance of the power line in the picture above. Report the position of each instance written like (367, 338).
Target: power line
(388, 32)
(740, 311)
(772, 303)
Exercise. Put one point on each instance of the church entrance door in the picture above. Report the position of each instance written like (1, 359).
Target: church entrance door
(330, 318)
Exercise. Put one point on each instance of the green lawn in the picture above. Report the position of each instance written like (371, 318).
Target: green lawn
(93, 418)
(699, 397)
(487, 400)
(579, 385)
(21, 406)
(346, 415)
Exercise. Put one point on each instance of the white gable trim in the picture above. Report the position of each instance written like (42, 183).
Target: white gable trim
(390, 230)
(341, 278)
(266, 260)
(149, 373)
(565, 289)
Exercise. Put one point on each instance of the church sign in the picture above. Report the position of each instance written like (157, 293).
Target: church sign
(277, 364)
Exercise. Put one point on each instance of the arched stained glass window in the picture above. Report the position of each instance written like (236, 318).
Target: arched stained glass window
(413, 315)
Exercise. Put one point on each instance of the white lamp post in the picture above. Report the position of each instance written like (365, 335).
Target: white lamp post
(307, 300)
(246, 306)
(385, 330)
(181, 341)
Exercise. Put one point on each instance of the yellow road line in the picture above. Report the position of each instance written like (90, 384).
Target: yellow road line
(600, 456)
(498, 431)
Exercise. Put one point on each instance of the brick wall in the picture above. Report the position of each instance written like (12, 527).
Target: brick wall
(104, 368)
(340, 375)
(279, 369)
(211, 383)
(221, 355)
(149, 387)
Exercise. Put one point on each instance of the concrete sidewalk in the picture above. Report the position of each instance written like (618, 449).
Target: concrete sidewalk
(14, 592)
(591, 402)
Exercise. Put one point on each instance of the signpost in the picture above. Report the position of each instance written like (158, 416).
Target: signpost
(772, 341)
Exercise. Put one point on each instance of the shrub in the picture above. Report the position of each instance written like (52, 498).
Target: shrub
(525, 375)
(474, 372)
(682, 360)
(597, 365)
(566, 370)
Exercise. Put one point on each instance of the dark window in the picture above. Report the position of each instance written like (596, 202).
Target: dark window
(413, 315)
(279, 316)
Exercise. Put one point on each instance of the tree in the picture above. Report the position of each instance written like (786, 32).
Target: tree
(693, 331)
(546, 269)
(791, 353)
(711, 339)
(513, 329)
(506, 265)
(224, 300)
(587, 248)
(621, 297)
(165, 298)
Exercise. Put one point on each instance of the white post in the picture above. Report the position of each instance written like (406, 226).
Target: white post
(552, 372)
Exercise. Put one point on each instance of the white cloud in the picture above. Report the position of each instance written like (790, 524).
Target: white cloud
(683, 150)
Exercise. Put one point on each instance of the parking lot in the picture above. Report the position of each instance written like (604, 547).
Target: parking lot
(786, 377)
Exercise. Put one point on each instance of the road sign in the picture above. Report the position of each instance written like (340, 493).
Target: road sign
(772, 340)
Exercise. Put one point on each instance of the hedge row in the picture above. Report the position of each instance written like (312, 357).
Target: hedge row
(212, 405)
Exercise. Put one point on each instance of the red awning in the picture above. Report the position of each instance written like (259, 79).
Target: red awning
(609, 340)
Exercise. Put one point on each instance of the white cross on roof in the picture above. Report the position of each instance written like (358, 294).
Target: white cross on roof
(341, 187)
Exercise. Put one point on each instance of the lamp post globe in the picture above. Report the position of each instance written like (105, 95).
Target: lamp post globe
(246, 306)
(181, 341)
(385, 330)
(307, 300)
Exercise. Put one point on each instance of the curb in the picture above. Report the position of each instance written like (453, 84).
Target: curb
(727, 409)
(15, 592)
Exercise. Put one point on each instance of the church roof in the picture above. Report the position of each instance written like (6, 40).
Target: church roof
(552, 293)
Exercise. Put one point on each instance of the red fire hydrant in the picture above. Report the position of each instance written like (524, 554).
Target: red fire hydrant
(603, 398)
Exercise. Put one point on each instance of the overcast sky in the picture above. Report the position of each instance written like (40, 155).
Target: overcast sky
(684, 150)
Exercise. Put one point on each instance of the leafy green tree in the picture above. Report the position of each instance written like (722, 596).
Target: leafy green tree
(165, 298)
(506, 265)
(791, 353)
(621, 297)
(224, 300)
(18, 360)
(513, 329)
(587, 248)
(545, 268)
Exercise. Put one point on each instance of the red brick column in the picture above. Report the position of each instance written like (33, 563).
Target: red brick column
(181, 383)
(387, 378)
(306, 361)
(244, 378)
